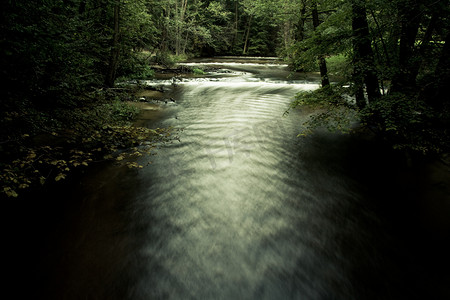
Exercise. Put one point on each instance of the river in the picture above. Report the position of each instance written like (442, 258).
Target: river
(238, 208)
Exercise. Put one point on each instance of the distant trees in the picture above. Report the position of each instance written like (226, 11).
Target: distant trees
(57, 49)
(218, 27)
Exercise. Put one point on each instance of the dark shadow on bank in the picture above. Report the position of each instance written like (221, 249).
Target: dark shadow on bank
(393, 239)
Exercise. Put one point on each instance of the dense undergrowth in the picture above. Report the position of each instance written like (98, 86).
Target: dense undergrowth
(407, 123)
(41, 147)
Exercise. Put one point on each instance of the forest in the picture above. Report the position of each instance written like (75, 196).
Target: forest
(61, 62)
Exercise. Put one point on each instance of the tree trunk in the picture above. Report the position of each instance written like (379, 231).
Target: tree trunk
(163, 44)
(115, 48)
(183, 16)
(287, 34)
(236, 26)
(323, 71)
(422, 50)
(180, 16)
(442, 75)
(300, 35)
(247, 35)
(404, 79)
(177, 29)
(363, 61)
(320, 58)
(185, 42)
(383, 43)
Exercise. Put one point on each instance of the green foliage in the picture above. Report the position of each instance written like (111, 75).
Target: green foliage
(146, 73)
(332, 38)
(167, 59)
(47, 54)
(198, 71)
(140, 72)
(37, 165)
(218, 21)
(139, 29)
(339, 65)
(91, 134)
(321, 98)
(407, 123)
(330, 110)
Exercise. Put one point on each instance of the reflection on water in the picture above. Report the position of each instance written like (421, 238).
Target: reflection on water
(239, 208)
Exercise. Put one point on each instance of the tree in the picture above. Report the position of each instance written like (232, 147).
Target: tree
(320, 56)
(409, 17)
(115, 49)
(363, 61)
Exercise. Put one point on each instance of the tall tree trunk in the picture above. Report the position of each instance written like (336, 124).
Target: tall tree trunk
(363, 61)
(183, 16)
(186, 42)
(236, 26)
(163, 44)
(287, 34)
(442, 75)
(404, 79)
(323, 71)
(383, 43)
(247, 35)
(177, 29)
(115, 48)
(320, 58)
(300, 35)
(179, 18)
(424, 46)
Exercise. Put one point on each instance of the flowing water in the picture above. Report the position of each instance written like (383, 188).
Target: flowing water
(239, 207)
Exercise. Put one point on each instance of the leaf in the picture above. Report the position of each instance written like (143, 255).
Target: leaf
(60, 176)
(10, 192)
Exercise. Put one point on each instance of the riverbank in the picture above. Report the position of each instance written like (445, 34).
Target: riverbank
(44, 146)
(41, 148)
